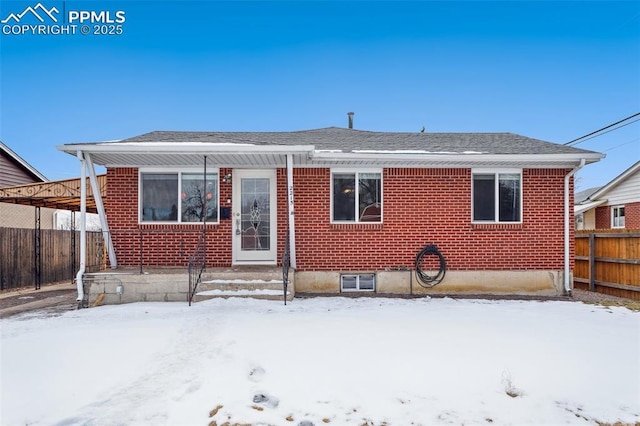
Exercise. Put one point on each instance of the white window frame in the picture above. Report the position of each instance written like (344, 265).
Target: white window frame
(615, 209)
(357, 173)
(357, 277)
(496, 207)
(179, 171)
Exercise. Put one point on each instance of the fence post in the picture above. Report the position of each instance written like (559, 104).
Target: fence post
(37, 261)
(592, 262)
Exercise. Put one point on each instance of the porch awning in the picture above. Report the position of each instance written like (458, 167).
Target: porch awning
(163, 154)
(60, 194)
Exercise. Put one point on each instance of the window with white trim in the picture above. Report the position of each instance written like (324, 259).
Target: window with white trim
(617, 217)
(358, 282)
(179, 197)
(356, 197)
(497, 196)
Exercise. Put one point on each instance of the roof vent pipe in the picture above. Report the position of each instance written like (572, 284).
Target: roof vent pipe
(350, 114)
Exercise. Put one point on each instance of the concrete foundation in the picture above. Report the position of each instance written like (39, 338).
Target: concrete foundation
(171, 285)
(544, 283)
(166, 286)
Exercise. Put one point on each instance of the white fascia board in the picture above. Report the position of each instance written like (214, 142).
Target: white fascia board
(461, 158)
(183, 147)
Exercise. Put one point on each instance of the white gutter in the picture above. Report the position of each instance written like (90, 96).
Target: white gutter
(321, 158)
(83, 226)
(97, 196)
(456, 157)
(158, 148)
(292, 224)
(183, 147)
(567, 222)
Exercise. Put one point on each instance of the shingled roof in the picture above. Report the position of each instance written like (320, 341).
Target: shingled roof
(331, 147)
(349, 140)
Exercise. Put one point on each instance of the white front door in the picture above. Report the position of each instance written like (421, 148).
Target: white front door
(254, 216)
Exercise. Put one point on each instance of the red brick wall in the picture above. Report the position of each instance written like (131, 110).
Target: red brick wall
(421, 206)
(631, 219)
(632, 215)
(603, 217)
(431, 206)
(159, 245)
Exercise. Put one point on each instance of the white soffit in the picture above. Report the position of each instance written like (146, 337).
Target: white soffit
(141, 154)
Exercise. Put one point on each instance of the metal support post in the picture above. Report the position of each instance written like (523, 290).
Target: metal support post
(37, 260)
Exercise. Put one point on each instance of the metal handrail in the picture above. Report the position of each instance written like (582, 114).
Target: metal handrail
(286, 265)
(196, 266)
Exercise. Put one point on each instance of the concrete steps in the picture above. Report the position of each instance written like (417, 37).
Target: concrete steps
(248, 282)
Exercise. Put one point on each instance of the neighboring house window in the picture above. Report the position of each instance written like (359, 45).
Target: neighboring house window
(179, 197)
(357, 197)
(497, 196)
(617, 217)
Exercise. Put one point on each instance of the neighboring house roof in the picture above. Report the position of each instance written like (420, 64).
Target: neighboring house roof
(28, 172)
(622, 177)
(586, 205)
(333, 146)
(581, 200)
(584, 195)
(598, 196)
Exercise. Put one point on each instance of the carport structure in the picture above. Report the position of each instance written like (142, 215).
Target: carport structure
(59, 194)
(63, 194)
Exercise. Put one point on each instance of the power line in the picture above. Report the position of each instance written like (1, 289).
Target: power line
(622, 144)
(575, 141)
(610, 130)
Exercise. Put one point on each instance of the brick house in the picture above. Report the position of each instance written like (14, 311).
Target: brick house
(615, 205)
(357, 206)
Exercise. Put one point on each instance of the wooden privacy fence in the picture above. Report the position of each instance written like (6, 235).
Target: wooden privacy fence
(26, 260)
(608, 261)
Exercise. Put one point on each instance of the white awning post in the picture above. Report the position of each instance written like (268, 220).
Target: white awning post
(83, 227)
(97, 196)
(567, 222)
(290, 203)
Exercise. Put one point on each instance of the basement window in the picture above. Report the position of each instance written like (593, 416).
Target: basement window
(358, 282)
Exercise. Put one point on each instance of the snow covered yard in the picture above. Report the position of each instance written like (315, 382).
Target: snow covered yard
(324, 360)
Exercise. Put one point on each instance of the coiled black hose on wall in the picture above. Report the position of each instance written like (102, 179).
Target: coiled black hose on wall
(424, 279)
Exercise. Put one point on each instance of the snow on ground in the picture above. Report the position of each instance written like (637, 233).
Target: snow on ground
(337, 360)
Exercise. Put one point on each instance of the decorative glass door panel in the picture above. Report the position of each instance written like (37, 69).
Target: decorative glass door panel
(254, 216)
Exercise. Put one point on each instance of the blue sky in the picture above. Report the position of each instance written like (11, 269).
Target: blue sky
(553, 70)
